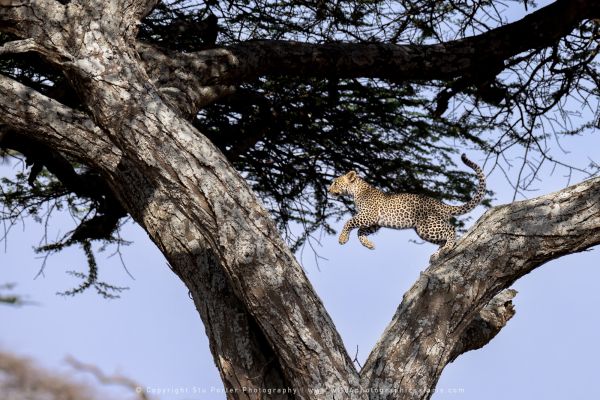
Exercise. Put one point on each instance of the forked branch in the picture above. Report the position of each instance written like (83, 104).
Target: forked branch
(434, 322)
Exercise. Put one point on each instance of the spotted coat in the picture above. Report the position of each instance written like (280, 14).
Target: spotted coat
(429, 217)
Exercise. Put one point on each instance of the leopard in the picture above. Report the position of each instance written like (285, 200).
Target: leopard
(430, 218)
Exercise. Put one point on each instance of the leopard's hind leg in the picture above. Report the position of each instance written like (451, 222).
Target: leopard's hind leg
(436, 229)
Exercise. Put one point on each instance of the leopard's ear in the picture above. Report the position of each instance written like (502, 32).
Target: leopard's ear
(351, 176)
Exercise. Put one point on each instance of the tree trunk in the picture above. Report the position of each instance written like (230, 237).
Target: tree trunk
(266, 326)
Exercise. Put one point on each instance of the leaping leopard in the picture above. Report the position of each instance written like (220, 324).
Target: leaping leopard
(375, 209)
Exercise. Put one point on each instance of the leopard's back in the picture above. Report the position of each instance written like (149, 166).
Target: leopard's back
(405, 210)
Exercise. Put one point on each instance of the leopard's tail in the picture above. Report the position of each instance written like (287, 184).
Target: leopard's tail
(465, 208)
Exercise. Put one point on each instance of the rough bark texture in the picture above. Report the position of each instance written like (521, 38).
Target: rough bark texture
(487, 324)
(506, 243)
(266, 325)
(200, 213)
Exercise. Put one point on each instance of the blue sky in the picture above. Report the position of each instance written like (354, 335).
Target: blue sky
(153, 334)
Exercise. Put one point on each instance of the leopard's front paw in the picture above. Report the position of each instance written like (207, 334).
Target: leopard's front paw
(343, 238)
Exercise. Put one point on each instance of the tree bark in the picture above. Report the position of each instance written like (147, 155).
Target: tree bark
(506, 243)
(199, 212)
(266, 326)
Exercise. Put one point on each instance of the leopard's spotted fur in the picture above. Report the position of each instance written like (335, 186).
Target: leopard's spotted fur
(429, 217)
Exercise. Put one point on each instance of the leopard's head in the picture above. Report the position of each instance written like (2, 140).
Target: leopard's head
(343, 184)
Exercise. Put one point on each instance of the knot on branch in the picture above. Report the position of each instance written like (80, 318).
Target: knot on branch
(486, 325)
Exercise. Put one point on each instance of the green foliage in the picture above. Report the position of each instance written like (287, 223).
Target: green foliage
(20, 199)
(90, 279)
(290, 136)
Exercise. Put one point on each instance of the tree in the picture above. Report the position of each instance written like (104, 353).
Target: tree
(273, 99)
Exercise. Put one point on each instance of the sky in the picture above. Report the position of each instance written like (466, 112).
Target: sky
(154, 335)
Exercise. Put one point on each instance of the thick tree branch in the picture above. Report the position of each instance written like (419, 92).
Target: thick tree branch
(40, 128)
(471, 56)
(432, 322)
(135, 10)
(184, 86)
(53, 124)
(86, 186)
(30, 19)
(21, 46)
(192, 80)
